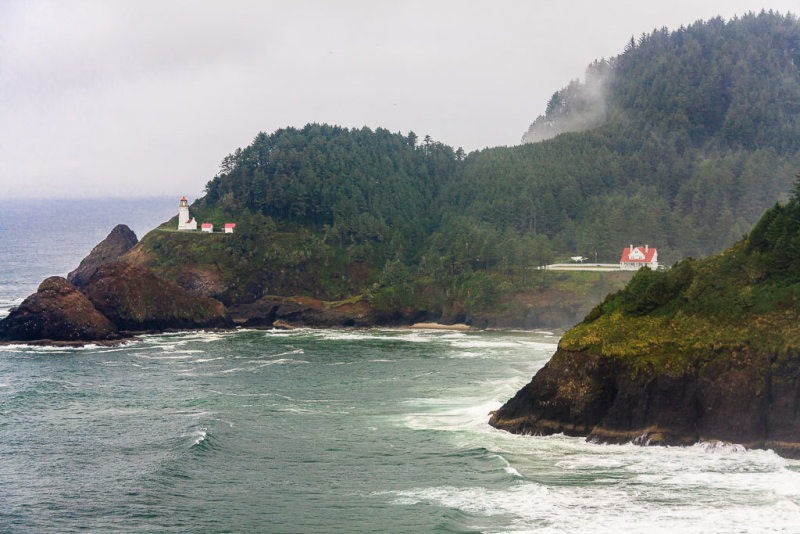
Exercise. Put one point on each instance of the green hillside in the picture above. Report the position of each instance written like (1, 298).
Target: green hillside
(687, 137)
(747, 298)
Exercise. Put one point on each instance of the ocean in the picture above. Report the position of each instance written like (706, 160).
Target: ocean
(307, 430)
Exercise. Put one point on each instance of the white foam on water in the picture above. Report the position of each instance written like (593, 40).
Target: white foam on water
(232, 394)
(48, 349)
(183, 351)
(508, 467)
(608, 507)
(485, 344)
(117, 348)
(256, 368)
(200, 436)
(720, 447)
(180, 338)
(205, 360)
(470, 355)
(173, 356)
(6, 304)
(282, 361)
(450, 416)
(192, 414)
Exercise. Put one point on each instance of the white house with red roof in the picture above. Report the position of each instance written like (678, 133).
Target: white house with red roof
(207, 227)
(185, 222)
(229, 227)
(634, 258)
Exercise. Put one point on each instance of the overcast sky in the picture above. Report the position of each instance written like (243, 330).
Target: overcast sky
(138, 97)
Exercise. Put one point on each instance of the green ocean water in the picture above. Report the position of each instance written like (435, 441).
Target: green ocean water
(339, 431)
(374, 430)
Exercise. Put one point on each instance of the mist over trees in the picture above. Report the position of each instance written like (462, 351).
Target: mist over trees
(682, 141)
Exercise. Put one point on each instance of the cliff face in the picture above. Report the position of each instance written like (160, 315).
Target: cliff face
(57, 311)
(137, 299)
(709, 350)
(117, 299)
(118, 242)
(749, 399)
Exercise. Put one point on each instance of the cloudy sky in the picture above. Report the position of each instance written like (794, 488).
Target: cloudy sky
(141, 97)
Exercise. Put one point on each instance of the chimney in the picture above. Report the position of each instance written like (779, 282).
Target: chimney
(646, 248)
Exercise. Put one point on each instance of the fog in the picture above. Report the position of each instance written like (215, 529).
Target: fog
(124, 98)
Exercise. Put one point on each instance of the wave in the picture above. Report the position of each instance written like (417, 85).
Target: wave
(48, 349)
(719, 447)
(615, 505)
(6, 304)
(255, 368)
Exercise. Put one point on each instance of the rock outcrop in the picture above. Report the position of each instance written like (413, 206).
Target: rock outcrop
(58, 311)
(136, 299)
(118, 242)
(748, 399)
(707, 351)
(303, 311)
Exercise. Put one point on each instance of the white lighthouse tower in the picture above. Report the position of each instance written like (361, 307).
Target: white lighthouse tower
(184, 221)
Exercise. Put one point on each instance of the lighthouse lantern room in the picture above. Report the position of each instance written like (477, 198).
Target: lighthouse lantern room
(185, 222)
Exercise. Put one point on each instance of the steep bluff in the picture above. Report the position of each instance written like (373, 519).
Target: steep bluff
(709, 350)
(749, 399)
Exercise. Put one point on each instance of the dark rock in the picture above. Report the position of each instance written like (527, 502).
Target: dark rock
(303, 311)
(136, 299)
(118, 242)
(568, 395)
(749, 399)
(57, 311)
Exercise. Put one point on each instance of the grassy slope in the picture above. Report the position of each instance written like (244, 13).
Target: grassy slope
(682, 320)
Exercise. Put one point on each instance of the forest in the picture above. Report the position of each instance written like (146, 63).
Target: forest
(680, 142)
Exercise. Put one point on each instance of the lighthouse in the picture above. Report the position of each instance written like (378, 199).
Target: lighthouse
(185, 222)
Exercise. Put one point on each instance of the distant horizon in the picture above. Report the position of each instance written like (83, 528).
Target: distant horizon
(144, 196)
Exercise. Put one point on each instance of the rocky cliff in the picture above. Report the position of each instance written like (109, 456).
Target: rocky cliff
(58, 311)
(118, 242)
(136, 299)
(117, 300)
(709, 350)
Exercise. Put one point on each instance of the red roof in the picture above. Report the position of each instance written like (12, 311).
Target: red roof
(207, 225)
(648, 255)
(230, 225)
(183, 199)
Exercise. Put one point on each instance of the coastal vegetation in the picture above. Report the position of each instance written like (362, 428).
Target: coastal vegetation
(691, 135)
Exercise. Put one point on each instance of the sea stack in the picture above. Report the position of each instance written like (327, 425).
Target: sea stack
(118, 242)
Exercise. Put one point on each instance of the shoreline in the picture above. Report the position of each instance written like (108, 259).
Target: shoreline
(129, 336)
(460, 327)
